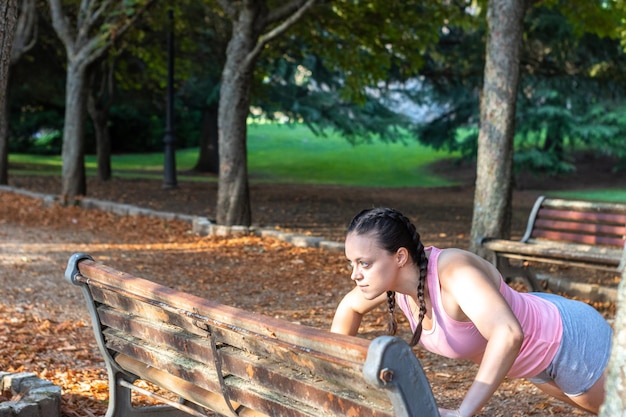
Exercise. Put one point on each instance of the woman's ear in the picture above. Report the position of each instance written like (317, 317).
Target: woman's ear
(402, 257)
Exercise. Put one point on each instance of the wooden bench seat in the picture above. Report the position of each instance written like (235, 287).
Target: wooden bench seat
(235, 362)
(568, 232)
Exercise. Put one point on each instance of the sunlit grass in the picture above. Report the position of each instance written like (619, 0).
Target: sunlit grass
(610, 195)
(282, 154)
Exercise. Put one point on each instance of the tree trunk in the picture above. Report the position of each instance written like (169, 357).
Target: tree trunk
(233, 195)
(8, 23)
(493, 194)
(208, 157)
(615, 387)
(73, 154)
(99, 24)
(99, 102)
(249, 19)
(100, 117)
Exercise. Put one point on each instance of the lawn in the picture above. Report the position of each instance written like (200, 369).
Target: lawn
(283, 154)
(294, 155)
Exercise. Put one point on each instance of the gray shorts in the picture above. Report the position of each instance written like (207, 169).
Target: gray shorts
(585, 347)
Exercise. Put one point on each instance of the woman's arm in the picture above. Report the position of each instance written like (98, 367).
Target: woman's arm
(350, 311)
(471, 285)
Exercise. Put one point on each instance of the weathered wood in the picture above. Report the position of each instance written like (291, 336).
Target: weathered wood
(577, 233)
(184, 388)
(554, 250)
(344, 371)
(212, 313)
(223, 358)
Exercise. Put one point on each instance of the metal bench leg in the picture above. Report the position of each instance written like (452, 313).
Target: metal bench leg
(392, 365)
(120, 396)
(120, 401)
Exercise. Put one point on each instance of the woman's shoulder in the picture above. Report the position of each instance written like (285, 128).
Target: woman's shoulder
(459, 263)
(456, 255)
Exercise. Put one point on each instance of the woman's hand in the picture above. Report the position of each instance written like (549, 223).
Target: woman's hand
(449, 413)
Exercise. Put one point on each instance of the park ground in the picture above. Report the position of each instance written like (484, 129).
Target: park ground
(44, 326)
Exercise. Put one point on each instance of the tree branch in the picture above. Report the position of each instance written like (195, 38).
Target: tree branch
(97, 45)
(89, 14)
(281, 12)
(26, 30)
(61, 25)
(96, 15)
(298, 9)
(228, 8)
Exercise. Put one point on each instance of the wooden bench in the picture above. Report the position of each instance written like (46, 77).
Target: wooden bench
(568, 232)
(238, 363)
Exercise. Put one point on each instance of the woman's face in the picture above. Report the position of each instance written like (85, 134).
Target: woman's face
(374, 270)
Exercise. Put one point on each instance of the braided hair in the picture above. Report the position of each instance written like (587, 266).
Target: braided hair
(393, 231)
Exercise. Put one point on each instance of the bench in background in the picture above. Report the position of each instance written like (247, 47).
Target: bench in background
(235, 362)
(568, 232)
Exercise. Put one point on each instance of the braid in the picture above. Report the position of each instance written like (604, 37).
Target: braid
(422, 264)
(392, 325)
(423, 267)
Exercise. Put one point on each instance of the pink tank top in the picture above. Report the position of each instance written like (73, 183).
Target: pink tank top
(540, 321)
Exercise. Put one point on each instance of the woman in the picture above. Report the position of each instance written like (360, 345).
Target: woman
(459, 306)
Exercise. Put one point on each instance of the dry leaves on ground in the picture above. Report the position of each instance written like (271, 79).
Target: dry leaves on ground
(44, 325)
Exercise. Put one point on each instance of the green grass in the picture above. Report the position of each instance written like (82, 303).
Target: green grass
(281, 154)
(293, 154)
(610, 195)
(288, 154)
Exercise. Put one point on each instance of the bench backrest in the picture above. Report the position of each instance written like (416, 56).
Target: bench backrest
(592, 223)
(228, 358)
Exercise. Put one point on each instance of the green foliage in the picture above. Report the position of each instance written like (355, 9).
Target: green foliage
(569, 86)
(335, 69)
(377, 40)
(37, 131)
(603, 18)
(537, 161)
(303, 90)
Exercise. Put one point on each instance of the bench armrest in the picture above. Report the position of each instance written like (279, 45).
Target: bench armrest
(393, 366)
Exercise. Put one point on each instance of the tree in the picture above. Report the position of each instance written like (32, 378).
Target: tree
(19, 37)
(570, 93)
(493, 194)
(99, 101)
(8, 22)
(250, 18)
(207, 30)
(372, 43)
(98, 24)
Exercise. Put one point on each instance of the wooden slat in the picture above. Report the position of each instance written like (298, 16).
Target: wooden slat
(344, 372)
(591, 216)
(261, 384)
(308, 338)
(581, 253)
(182, 388)
(581, 205)
(589, 239)
(590, 228)
(163, 334)
(568, 232)
(198, 349)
